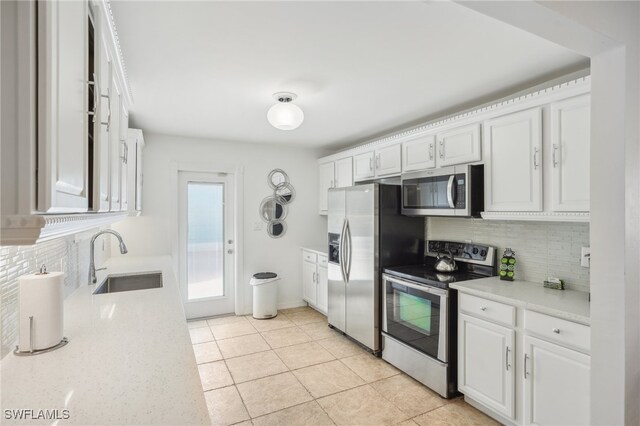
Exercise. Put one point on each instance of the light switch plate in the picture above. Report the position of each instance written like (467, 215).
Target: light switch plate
(585, 257)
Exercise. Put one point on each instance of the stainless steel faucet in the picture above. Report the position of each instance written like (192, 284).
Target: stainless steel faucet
(92, 265)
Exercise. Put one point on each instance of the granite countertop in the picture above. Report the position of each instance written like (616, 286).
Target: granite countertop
(571, 305)
(129, 359)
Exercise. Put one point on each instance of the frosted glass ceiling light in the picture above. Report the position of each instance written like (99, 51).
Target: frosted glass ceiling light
(284, 115)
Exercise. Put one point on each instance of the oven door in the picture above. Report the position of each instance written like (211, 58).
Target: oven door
(416, 315)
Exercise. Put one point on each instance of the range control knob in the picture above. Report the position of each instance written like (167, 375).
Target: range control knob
(475, 250)
(483, 253)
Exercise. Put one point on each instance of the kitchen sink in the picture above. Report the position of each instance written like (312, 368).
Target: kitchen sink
(129, 282)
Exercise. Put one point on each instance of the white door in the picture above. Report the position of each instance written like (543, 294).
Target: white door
(309, 280)
(207, 246)
(419, 154)
(326, 179)
(459, 145)
(513, 162)
(389, 161)
(570, 145)
(363, 167)
(62, 106)
(557, 384)
(486, 363)
(323, 285)
(344, 173)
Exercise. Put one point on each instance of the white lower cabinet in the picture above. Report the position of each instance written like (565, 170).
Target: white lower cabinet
(485, 363)
(538, 360)
(315, 289)
(556, 385)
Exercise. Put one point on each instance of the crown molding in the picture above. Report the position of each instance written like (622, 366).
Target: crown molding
(105, 5)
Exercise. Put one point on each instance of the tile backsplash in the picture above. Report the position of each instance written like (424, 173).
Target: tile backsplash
(19, 260)
(542, 248)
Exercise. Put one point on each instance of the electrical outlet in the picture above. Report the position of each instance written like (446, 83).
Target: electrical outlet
(257, 226)
(63, 265)
(585, 257)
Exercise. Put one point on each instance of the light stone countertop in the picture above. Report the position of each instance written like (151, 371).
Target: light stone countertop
(129, 359)
(571, 305)
(315, 250)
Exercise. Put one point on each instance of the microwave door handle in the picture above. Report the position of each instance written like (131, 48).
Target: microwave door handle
(450, 188)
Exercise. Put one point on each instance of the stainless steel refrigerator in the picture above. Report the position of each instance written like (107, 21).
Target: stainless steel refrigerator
(366, 234)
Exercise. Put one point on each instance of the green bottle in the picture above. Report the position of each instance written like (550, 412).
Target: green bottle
(508, 265)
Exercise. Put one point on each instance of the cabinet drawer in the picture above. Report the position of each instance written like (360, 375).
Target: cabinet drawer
(309, 256)
(322, 260)
(487, 309)
(558, 330)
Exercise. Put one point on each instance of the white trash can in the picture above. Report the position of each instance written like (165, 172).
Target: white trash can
(265, 295)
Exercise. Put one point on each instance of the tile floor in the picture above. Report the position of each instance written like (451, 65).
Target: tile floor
(295, 370)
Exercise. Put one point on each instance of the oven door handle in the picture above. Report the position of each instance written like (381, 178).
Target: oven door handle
(426, 289)
(450, 189)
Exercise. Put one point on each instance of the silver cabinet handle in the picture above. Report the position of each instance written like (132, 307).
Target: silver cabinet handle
(535, 158)
(507, 358)
(108, 96)
(556, 330)
(370, 164)
(526, 357)
(378, 161)
(125, 152)
(442, 149)
(430, 151)
(555, 161)
(314, 277)
(484, 308)
(229, 251)
(94, 83)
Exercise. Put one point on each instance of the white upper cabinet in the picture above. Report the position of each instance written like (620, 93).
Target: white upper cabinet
(363, 166)
(124, 159)
(570, 145)
(62, 106)
(419, 154)
(513, 162)
(459, 145)
(135, 140)
(116, 148)
(327, 173)
(557, 384)
(101, 160)
(343, 173)
(388, 161)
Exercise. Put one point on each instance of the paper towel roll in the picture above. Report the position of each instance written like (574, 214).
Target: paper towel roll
(41, 296)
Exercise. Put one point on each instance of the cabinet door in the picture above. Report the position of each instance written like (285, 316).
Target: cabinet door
(459, 145)
(389, 161)
(323, 289)
(138, 172)
(326, 172)
(363, 167)
(62, 106)
(309, 278)
(486, 363)
(124, 159)
(102, 155)
(556, 386)
(513, 162)
(570, 145)
(116, 149)
(419, 154)
(344, 173)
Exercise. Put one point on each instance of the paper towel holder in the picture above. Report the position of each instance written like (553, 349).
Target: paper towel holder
(63, 342)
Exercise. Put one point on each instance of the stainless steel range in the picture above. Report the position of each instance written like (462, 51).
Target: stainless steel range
(419, 311)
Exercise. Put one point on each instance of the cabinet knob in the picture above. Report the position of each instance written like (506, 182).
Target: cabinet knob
(484, 308)
(556, 330)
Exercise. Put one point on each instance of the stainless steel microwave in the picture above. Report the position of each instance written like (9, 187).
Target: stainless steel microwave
(449, 191)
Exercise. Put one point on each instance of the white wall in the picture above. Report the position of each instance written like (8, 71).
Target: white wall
(150, 234)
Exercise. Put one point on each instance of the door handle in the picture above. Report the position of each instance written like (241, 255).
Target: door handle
(442, 150)
(450, 188)
(314, 277)
(341, 257)
(535, 158)
(430, 151)
(507, 358)
(555, 149)
(371, 164)
(526, 357)
(349, 246)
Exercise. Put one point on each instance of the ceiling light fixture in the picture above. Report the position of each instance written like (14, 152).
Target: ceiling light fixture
(284, 115)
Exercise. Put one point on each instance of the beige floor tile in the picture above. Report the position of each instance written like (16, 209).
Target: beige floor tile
(197, 324)
(306, 317)
(285, 337)
(234, 329)
(307, 414)
(273, 393)
(243, 345)
(255, 366)
(303, 355)
(361, 406)
(455, 414)
(325, 379)
(229, 319)
(248, 423)
(319, 330)
(408, 395)
(225, 406)
(200, 335)
(408, 423)
(214, 375)
(206, 352)
(341, 347)
(293, 310)
(281, 321)
(369, 367)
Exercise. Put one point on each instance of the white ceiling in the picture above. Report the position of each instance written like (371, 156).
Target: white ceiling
(208, 69)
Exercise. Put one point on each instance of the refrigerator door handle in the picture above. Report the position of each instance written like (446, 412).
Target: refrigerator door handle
(349, 249)
(341, 251)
